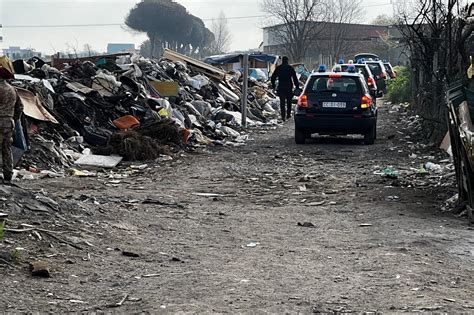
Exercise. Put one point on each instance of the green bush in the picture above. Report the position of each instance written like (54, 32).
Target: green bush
(399, 89)
(2, 230)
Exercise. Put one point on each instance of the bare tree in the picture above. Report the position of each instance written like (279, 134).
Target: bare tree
(222, 36)
(432, 29)
(74, 48)
(384, 19)
(341, 14)
(296, 24)
(88, 50)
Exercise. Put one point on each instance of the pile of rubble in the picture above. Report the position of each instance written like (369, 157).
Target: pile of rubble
(132, 107)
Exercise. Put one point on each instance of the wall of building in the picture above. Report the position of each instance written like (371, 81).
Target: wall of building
(20, 53)
(356, 38)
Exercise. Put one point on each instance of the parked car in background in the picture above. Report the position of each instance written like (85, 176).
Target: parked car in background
(391, 72)
(380, 73)
(365, 56)
(363, 69)
(336, 103)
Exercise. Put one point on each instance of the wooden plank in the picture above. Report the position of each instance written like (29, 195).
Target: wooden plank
(194, 63)
(166, 88)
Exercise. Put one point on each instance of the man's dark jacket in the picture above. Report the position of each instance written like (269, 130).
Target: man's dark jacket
(286, 78)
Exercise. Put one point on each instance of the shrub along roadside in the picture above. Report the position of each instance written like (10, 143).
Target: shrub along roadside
(399, 89)
(2, 229)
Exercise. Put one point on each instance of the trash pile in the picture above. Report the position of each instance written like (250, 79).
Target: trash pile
(132, 107)
(420, 175)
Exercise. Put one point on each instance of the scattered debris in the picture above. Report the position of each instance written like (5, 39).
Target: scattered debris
(390, 173)
(316, 204)
(392, 198)
(306, 224)
(210, 195)
(120, 303)
(449, 300)
(130, 254)
(39, 269)
(252, 244)
(99, 161)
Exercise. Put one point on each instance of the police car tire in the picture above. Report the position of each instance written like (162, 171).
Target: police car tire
(369, 137)
(300, 137)
(375, 126)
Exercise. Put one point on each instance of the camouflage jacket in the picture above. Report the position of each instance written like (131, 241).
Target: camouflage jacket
(11, 106)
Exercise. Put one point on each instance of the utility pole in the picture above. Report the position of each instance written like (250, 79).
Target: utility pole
(245, 85)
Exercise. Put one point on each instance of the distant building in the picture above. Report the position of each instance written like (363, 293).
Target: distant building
(16, 52)
(384, 41)
(118, 48)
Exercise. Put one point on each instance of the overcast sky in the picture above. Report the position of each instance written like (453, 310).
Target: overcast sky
(246, 33)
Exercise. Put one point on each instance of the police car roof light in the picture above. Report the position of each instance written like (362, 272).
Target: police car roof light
(341, 61)
(322, 68)
(351, 69)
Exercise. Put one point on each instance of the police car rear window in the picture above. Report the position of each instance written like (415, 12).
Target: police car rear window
(375, 68)
(342, 85)
(360, 69)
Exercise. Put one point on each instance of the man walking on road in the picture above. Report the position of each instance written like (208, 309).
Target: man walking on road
(10, 111)
(286, 81)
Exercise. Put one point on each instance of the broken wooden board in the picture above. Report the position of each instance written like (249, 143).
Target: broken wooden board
(195, 64)
(99, 161)
(166, 88)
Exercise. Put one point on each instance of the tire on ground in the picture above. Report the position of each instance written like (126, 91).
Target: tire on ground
(300, 137)
(369, 137)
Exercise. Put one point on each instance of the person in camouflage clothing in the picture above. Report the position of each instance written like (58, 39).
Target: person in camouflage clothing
(10, 111)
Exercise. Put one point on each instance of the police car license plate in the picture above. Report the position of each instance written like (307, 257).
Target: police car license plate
(334, 105)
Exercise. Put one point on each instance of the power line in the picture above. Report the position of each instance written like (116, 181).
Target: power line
(61, 25)
(238, 17)
(376, 5)
(122, 24)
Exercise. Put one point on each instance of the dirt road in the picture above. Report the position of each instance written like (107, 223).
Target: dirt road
(290, 228)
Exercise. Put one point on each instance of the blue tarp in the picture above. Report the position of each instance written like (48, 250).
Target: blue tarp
(235, 58)
(19, 145)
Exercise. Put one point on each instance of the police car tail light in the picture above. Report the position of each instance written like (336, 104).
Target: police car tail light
(303, 101)
(371, 81)
(366, 101)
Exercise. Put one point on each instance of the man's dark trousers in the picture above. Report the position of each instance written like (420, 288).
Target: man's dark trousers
(285, 105)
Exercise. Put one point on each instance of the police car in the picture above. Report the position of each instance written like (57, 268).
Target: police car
(336, 103)
(362, 68)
